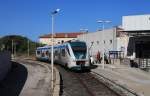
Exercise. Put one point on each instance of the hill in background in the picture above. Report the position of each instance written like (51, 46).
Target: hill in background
(18, 44)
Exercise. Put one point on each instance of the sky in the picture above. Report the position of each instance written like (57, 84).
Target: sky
(32, 18)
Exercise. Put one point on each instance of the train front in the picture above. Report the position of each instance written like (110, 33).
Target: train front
(80, 54)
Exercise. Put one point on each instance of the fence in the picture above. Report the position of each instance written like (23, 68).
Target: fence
(116, 57)
(144, 63)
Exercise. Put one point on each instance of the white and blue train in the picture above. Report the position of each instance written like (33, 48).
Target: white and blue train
(73, 54)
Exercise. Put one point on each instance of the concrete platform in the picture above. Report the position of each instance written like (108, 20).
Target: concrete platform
(133, 79)
(30, 78)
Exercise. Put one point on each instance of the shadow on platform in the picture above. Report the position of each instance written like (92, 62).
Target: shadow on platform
(14, 81)
(93, 66)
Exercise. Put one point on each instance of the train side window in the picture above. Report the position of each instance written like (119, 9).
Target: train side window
(63, 52)
(42, 54)
(49, 54)
(56, 53)
(38, 52)
(46, 53)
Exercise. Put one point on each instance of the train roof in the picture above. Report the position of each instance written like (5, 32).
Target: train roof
(58, 46)
(44, 47)
(49, 47)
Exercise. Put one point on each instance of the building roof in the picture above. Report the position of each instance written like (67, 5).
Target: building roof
(119, 29)
(63, 35)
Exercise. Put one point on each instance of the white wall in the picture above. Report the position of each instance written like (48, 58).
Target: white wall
(136, 22)
(47, 41)
(122, 44)
(96, 37)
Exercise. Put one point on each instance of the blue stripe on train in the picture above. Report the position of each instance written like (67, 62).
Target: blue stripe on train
(43, 58)
(57, 46)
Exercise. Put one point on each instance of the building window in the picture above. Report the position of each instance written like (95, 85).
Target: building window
(92, 43)
(104, 41)
(97, 42)
(110, 41)
(62, 41)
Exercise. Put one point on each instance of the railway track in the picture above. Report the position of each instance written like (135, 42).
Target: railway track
(82, 84)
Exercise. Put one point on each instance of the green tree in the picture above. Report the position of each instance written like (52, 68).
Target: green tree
(20, 44)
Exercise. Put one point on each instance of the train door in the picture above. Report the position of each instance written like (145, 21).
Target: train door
(56, 54)
(49, 55)
(59, 53)
(68, 55)
(63, 55)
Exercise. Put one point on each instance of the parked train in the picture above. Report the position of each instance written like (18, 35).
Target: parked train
(73, 54)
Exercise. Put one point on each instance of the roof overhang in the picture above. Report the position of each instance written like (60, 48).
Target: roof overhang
(136, 31)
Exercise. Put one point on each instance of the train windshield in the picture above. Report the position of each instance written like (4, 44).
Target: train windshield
(79, 49)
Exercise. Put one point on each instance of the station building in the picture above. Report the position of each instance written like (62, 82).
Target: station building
(132, 38)
(95, 40)
(58, 37)
(138, 29)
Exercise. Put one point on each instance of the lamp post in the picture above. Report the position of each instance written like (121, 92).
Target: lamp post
(103, 39)
(15, 49)
(28, 47)
(12, 48)
(52, 48)
(84, 30)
